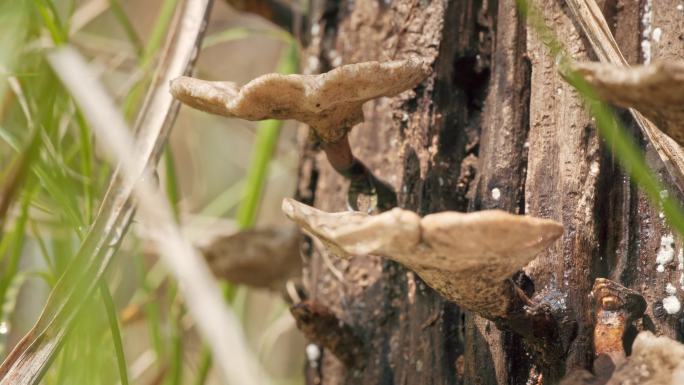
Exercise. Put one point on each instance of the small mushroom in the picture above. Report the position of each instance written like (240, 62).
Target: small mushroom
(656, 90)
(262, 258)
(265, 257)
(329, 103)
(469, 258)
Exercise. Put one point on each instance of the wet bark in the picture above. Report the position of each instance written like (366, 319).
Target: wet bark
(494, 126)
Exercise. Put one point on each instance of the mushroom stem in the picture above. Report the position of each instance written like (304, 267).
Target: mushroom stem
(340, 156)
(362, 180)
(322, 327)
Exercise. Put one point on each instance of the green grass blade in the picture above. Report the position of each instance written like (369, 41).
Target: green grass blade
(157, 37)
(257, 175)
(110, 307)
(122, 18)
(264, 147)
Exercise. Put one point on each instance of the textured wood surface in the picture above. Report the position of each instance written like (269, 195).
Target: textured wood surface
(494, 126)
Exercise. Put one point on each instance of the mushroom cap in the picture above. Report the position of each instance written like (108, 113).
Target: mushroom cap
(330, 103)
(355, 233)
(263, 258)
(467, 257)
(656, 90)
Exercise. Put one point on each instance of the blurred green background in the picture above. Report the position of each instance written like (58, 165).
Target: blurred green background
(54, 178)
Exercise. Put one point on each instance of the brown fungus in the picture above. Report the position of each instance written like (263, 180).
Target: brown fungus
(265, 257)
(262, 258)
(467, 257)
(330, 103)
(656, 90)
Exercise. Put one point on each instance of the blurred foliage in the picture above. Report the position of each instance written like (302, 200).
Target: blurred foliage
(53, 180)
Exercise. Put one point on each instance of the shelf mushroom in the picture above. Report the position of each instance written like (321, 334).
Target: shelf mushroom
(656, 90)
(262, 258)
(467, 257)
(329, 103)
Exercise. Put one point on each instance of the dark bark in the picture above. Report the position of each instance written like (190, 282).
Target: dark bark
(494, 126)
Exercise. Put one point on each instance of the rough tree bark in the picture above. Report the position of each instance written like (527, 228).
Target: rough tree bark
(493, 127)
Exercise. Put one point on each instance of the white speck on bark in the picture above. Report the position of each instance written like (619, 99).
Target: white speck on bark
(657, 33)
(665, 252)
(671, 305)
(313, 354)
(670, 289)
(646, 21)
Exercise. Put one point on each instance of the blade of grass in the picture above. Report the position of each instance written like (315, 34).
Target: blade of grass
(108, 302)
(51, 20)
(126, 24)
(264, 147)
(12, 264)
(150, 307)
(152, 47)
(238, 33)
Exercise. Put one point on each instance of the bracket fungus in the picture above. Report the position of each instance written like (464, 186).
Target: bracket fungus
(656, 90)
(330, 103)
(262, 258)
(466, 257)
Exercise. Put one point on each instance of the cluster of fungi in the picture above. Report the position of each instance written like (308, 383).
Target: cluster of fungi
(468, 258)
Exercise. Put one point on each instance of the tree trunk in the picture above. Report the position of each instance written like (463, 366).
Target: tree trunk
(494, 126)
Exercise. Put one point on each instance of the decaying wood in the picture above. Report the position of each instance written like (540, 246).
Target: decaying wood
(31, 356)
(595, 27)
(615, 309)
(329, 103)
(655, 90)
(321, 326)
(493, 126)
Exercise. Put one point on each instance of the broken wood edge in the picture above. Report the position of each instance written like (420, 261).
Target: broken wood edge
(588, 15)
